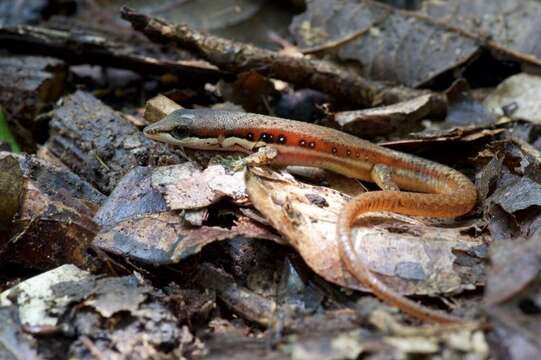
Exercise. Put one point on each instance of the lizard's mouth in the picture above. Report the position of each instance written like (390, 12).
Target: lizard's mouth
(186, 141)
(191, 141)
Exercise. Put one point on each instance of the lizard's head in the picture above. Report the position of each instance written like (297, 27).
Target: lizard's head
(201, 129)
(173, 129)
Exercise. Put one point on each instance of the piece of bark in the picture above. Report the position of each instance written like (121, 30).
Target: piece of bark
(237, 58)
(54, 209)
(94, 48)
(30, 84)
(98, 144)
(519, 194)
(42, 299)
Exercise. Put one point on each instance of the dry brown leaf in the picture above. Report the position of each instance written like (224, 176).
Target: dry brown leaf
(414, 258)
(186, 186)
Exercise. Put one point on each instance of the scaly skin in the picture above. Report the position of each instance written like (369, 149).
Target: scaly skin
(435, 190)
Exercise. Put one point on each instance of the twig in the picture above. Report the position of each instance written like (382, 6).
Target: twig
(343, 40)
(94, 49)
(237, 57)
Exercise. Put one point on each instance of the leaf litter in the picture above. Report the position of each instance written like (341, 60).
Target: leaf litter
(224, 297)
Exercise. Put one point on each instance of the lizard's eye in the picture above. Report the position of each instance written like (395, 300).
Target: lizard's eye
(180, 133)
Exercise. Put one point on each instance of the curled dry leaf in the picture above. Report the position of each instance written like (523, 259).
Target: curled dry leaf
(412, 257)
(383, 120)
(448, 137)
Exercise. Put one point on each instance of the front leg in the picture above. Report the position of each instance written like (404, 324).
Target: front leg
(382, 176)
(264, 156)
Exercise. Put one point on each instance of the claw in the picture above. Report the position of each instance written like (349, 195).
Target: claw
(238, 165)
(264, 156)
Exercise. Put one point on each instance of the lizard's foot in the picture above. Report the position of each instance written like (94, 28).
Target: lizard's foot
(264, 156)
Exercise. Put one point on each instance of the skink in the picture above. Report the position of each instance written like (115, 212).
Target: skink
(432, 189)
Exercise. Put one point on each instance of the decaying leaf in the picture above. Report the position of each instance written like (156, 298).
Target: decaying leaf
(414, 47)
(411, 256)
(164, 238)
(395, 46)
(518, 341)
(508, 27)
(465, 111)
